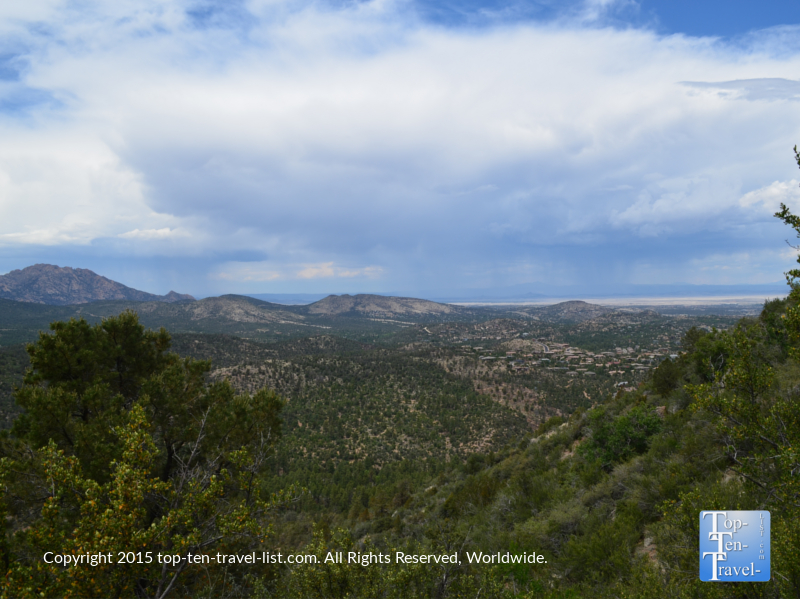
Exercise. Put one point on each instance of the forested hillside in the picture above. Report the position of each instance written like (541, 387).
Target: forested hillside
(430, 446)
(611, 495)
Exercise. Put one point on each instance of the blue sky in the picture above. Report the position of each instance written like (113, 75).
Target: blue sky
(398, 146)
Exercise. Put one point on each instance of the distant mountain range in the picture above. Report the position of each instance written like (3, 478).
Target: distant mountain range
(61, 286)
(64, 286)
(33, 297)
(242, 316)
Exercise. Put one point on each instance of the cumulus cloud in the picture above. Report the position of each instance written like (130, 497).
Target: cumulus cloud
(773, 195)
(320, 135)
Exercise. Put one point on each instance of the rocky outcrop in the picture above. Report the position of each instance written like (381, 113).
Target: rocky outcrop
(49, 284)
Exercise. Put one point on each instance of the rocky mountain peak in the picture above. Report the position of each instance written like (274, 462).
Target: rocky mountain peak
(51, 284)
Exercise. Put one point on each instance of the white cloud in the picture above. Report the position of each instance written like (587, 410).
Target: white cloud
(673, 203)
(152, 234)
(317, 271)
(773, 195)
(359, 135)
(64, 186)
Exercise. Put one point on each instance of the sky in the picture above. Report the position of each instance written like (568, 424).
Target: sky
(400, 146)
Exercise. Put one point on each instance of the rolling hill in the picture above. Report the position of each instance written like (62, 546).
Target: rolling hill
(578, 311)
(380, 306)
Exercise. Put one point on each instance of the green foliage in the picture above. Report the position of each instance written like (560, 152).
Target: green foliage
(124, 448)
(13, 364)
(617, 439)
(549, 424)
(760, 431)
(604, 552)
(691, 338)
(710, 356)
(667, 377)
(369, 430)
(774, 319)
(476, 492)
(369, 419)
(82, 382)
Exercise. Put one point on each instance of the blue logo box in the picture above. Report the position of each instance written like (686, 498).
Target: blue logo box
(734, 545)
